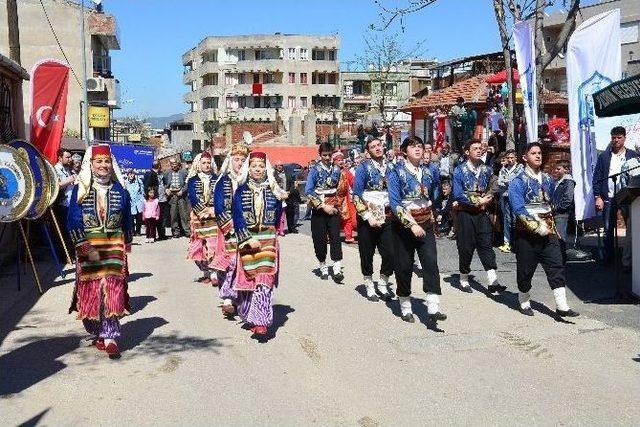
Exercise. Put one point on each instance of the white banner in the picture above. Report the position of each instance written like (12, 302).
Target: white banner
(593, 62)
(525, 55)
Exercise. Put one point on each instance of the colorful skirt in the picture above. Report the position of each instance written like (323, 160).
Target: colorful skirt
(226, 250)
(102, 283)
(258, 266)
(204, 237)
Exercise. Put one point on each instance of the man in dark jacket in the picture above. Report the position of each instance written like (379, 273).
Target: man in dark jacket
(175, 184)
(609, 163)
(562, 202)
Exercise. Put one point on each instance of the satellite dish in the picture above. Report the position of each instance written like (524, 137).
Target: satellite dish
(247, 137)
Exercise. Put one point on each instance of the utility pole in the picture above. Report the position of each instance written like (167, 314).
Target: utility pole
(14, 30)
(85, 109)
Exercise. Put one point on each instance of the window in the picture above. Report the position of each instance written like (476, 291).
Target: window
(256, 102)
(291, 53)
(332, 79)
(269, 78)
(291, 102)
(292, 78)
(256, 77)
(260, 54)
(389, 89)
(629, 32)
(303, 102)
(267, 102)
(210, 79)
(303, 78)
(242, 78)
(231, 79)
(210, 56)
(322, 78)
(211, 102)
(317, 55)
(304, 54)
(332, 55)
(242, 102)
(242, 55)
(232, 102)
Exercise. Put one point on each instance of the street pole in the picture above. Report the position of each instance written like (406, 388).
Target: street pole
(85, 115)
(14, 30)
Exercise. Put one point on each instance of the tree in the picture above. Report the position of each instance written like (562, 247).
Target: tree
(382, 58)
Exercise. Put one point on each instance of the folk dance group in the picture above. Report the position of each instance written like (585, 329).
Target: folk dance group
(233, 238)
(393, 201)
(236, 213)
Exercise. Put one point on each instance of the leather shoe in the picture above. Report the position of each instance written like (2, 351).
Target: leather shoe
(99, 343)
(467, 289)
(386, 297)
(408, 317)
(113, 351)
(568, 313)
(494, 289)
(526, 311)
(437, 316)
(338, 278)
(373, 298)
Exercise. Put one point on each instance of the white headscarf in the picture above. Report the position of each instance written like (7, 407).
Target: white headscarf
(85, 177)
(205, 178)
(243, 177)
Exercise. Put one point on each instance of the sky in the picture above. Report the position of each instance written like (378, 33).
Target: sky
(155, 33)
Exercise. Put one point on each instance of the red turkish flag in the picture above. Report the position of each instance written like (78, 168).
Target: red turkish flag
(49, 85)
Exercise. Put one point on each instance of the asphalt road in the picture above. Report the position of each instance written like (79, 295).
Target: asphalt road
(333, 358)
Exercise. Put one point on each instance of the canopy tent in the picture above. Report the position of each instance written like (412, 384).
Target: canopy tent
(501, 77)
(619, 98)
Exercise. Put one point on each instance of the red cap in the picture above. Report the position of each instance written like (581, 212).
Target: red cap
(100, 151)
(205, 155)
(258, 155)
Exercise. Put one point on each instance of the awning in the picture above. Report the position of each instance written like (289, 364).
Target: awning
(501, 77)
(619, 98)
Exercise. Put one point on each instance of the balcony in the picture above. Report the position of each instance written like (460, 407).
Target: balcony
(189, 77)
(102, 66)
(325, 90)
(192, 117)
(105, 28)
(247, 89)
(211, 90)
(209, 68)
(258, 65)
(190, 97)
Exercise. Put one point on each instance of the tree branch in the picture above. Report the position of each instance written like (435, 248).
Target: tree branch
(389, 15)
(563, 37)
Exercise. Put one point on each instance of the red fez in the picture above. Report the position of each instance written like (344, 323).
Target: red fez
(205, 155)
(258, 155)
(101, 150)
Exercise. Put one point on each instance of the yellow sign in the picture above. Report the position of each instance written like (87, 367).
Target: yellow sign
(98, 117)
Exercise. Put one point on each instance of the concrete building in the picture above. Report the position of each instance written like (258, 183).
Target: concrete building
(255, 77)
(37, 42)
(555, 76)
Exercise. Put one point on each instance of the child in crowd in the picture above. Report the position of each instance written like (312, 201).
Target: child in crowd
(151, 214)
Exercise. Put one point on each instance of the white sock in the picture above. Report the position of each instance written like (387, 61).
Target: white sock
(368, 284)
(560, 295)
(433, 301)
(405, 305)
(337, 267)
(227, 301)
(523, 297)
(492, 276)
(418, 264)
(108, 341)
(323, 268)
(383, 284)
(464, 280)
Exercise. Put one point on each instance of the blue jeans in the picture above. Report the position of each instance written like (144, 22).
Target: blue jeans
(506, 219)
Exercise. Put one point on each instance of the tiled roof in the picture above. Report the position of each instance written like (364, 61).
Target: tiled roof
(474, 91)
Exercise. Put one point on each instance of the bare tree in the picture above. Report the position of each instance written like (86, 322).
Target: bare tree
(382, 58)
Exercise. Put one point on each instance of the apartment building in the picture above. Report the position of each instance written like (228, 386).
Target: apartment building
(37, 42)
(255, 77)
(555, 76)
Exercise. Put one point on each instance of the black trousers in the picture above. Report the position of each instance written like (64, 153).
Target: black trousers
(531, 250)
(137, 223)
(162, 221)
(323, 225)
(474, 232)
(370, 238)
(290, 210)
(405, 249)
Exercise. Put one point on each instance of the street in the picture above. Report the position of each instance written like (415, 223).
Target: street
(332, 357)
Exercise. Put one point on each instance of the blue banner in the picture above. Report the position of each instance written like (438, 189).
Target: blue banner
(136, 157)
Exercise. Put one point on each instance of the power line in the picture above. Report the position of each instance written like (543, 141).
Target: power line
(55, 36)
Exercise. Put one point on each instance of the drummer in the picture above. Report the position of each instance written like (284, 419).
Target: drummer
(536, 238)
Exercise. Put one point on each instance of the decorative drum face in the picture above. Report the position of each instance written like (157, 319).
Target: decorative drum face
(17, 187)
(40, 175)
(54, 190)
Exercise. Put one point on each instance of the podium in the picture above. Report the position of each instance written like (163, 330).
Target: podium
(630, 195)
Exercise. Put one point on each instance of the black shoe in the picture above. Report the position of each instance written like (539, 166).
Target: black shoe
(386, 297)
(526, 311)
(338, 278)
(568, 313)
(467, 289)
(324, 276)
(494, 289)
(437, 316)
(373, 298)
(294, 231)
(408, 317)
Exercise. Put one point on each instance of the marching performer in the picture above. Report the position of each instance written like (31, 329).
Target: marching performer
(257, 209)
(472, 192)
(225, 261)
(204, 230)
(101, 227)
(411, 187)
(371, 200)
(325, 199)
(536, 238)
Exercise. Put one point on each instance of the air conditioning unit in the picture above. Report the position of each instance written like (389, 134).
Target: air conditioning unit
(95, 84)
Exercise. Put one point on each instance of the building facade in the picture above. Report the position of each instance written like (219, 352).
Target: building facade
(256, 77)
(37, 42)
(555, 75)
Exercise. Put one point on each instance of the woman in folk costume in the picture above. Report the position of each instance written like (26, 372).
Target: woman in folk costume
(204, 230)
(257, 209)
(348, 209)
(100, 225)
(225, 261)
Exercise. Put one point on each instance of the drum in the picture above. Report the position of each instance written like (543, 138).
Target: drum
(17, 186)
(42, 197)
(53, 182)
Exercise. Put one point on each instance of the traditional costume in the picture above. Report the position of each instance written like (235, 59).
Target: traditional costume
(474, 230)
(257, 209)
(536, 238)
(371, 201)
(348, 210)
(411, 189)
(226, 255)
(204, 230)
(322, 187)
(100, 225)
